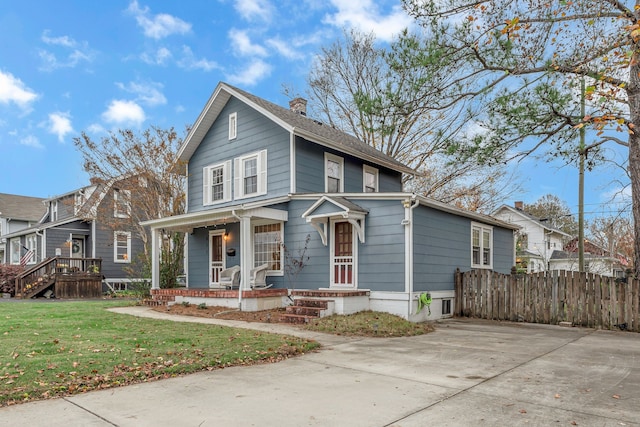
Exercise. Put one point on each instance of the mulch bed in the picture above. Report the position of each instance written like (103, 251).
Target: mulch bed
(264, 316)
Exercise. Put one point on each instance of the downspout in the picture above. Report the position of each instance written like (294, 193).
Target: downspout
(408, 223)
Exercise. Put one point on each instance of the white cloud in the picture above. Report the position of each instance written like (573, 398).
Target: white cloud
(73, 52)
(14, 90)
(159, 57)
(60, 124)
(158, 26)
(147, 93)
(252, 74)
(365, 15)
(189, 62)
(284, 48)
(31, 141)
(122, 112)
(254, 9)
(96, 128)
(241, 44)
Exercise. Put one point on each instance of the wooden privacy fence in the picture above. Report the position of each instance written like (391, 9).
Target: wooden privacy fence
(583, 299)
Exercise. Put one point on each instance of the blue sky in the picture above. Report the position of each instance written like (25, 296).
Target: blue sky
(74, 65)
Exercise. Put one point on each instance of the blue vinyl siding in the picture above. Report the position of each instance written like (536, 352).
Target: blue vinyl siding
(310, 171)
(503, 250)
(255, 132)
(381, 256)
(316, 272)
(442, 243)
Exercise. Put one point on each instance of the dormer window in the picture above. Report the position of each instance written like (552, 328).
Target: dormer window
(121, 203)
(334, 173)
(233, 126)
(369, 179)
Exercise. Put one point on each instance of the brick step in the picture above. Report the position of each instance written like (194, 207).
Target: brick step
(164, 298)
(153, 302)
(299, 319)
(307, 302)
(305, 310)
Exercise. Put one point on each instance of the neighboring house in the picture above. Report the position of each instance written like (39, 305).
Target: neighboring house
(17, 213)
(266, 182)
(596, 259)
(73, 226)
(536, 240)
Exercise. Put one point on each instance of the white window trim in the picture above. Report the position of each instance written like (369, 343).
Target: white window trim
(116, 204)
(226, 183)
(233, 126)
(238, 167)
(340, 161)
(281, 245)
(115, 247)
(53, 216)
(482, 227)
(373, 171)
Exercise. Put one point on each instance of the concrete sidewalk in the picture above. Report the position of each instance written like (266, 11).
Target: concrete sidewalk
(467, 373)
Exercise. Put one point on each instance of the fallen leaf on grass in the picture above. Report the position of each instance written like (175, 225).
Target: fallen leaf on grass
(616, 396)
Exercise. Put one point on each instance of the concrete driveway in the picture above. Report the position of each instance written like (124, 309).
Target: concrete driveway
(467, 373)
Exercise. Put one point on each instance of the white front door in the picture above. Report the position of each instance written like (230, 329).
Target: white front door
(216, 256)
(343, 267)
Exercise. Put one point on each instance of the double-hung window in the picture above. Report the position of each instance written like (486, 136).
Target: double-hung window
(121, 203)
(369, 179)
(250, 175)
(481, 246)
(53, 211)
(122, 247)
(334, 173)
(216, 183)
(267, 246)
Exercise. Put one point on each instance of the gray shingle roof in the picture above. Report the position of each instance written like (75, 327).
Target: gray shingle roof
(21, 207)
(301, 125)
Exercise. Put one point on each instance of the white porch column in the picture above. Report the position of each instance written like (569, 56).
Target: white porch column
(246, 252)
(155, 259)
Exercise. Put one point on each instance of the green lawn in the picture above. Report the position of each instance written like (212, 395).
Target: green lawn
(59, 348)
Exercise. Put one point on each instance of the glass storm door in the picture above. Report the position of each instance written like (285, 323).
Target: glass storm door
(342, 259)
(77, 247)
(216, 257)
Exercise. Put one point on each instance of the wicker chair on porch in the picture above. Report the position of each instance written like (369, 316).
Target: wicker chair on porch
(258, 277)
(230, 277)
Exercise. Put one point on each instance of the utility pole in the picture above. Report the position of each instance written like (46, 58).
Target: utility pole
(583, 153)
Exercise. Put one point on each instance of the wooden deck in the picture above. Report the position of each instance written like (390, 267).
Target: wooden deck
(65, 277)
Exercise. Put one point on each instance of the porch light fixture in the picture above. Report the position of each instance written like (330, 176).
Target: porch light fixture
(225, 236)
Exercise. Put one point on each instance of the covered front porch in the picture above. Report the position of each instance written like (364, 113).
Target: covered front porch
(216, 240)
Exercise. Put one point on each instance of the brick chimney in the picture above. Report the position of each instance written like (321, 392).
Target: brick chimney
(518, 205)
(298, 105)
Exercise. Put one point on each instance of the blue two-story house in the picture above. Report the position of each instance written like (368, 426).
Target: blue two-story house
(322, 210)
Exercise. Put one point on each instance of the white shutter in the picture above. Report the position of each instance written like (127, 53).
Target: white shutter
(262, 172)
(237, 179)
(227, 180)
(206, 186)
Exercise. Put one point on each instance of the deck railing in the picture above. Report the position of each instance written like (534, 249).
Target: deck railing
(46, 272)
